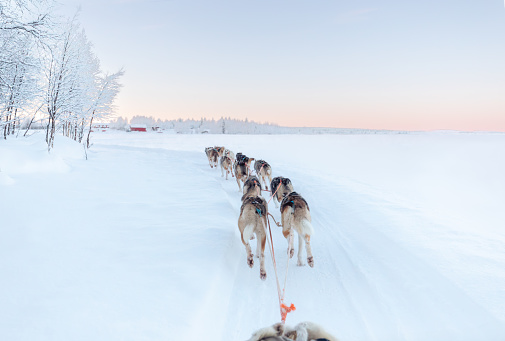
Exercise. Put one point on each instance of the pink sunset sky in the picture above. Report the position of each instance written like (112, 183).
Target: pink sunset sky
(398, 65)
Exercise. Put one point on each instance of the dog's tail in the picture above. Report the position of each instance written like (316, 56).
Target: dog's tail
(248, 232)
(307, 228)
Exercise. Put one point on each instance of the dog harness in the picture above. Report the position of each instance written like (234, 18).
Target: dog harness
(258, 204)
(289, 200)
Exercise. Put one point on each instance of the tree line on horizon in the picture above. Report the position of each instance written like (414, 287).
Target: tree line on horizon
(49, 74)
(224, 125)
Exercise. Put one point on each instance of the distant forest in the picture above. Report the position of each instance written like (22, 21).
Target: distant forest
(228, 126)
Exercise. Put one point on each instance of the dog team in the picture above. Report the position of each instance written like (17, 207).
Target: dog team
(295, 212)
(252, 222)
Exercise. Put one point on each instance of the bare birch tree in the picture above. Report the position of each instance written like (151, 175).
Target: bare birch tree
(24, 25)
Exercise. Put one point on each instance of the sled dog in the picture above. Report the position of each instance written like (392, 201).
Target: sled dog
(212, 155)
(252, 220)
(295, 215)
(242, 168)
(226, 165)
(263, 170)
(305, 331)
(280, 187)
(230, 154)
(252, 187)
(239, 156)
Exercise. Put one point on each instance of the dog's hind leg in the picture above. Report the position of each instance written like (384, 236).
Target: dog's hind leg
(258, 248)
(263, 273)
(307, 231)
(287, 231)
(310, 258)
(262, 238)
(291, 247)
(238, 183)
(246, 236)
(300, 250)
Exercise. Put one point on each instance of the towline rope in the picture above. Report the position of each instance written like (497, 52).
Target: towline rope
(279, 186)
(276, 223)
(284, 309)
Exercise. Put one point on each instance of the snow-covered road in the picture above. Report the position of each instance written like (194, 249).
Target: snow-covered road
(141, 242)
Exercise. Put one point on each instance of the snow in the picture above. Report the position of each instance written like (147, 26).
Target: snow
(140, 242)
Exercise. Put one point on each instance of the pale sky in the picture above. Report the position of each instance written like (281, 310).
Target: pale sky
(392, 64)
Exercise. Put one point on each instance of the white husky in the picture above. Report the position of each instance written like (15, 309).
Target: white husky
(305, 331)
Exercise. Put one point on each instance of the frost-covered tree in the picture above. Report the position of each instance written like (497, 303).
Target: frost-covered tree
(108, 87)
(25, 27)
(65, 70)
(77, 92)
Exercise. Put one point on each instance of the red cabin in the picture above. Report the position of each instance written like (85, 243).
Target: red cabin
(138, 127)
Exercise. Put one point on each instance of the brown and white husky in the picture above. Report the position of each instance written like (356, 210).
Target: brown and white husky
(212, 155)
(252, 187)
(226, 165)
(280, 187)
(253, 220)
(295, 216)
(242, 169)
(230, 154)
(263, 170)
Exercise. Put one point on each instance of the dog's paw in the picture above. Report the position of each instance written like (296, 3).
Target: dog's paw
(291, 253)
(250, 261)
(310, 260)
(300, 263)
(263, 275)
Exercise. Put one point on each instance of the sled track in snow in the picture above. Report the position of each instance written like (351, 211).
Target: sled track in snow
(362, 276)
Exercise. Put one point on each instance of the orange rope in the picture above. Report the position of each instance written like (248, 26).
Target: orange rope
(274, 192)
(284, 310)
(276, 223)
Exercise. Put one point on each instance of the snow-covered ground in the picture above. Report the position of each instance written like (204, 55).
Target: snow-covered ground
(140, 242)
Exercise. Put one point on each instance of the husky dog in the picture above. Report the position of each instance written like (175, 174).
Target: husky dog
(212, 155)
(263, 170)
(253, 219)
(239, 157)
(252, 187)
(242, 167)
(226, 164)
(230, 154)
(295, 215)
(305, 331)
(280, 187)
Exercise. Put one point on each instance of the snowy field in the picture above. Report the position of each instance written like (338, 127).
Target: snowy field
(140, 242)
